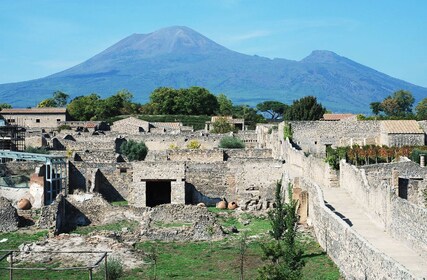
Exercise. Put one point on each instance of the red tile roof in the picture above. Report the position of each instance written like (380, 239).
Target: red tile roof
(34, 111)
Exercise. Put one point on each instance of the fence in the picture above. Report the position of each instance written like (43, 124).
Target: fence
(10, 255)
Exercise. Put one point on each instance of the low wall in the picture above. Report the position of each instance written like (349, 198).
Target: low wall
(403, 220)
(355, 256)
(309, 167)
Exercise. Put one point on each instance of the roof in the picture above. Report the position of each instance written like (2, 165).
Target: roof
(49, 110)
(131, 121)
(401, 127)
(337, 117)
(174, 125)
(229, 119)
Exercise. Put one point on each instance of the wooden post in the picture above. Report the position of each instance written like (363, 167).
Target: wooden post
(90, 273)
(106, 266)
(11, 266)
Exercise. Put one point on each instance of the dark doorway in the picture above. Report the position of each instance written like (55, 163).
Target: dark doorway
(158, 192)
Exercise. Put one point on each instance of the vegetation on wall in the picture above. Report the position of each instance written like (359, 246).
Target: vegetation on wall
(231, 142)
(133, 150)
(370, 154)
(193, 145)
(287, 131)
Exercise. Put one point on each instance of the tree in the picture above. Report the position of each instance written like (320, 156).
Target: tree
(305, 109)
(5, 106)
(225, 106)
(376, 108)
(84, 108)
(249, 114)
(399, 104)
(134, 150)
(275, 109)
(59, 99)
(191, 101)
(285, 258)
(222, 125)
(421, 109)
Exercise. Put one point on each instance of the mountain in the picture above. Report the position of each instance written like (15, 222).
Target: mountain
(180, 57)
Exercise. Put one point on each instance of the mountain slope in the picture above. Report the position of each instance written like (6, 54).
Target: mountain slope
(181, 57)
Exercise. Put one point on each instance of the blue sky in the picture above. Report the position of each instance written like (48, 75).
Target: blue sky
(42, 37)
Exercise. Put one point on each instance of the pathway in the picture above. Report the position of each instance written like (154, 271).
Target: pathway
(353, 214)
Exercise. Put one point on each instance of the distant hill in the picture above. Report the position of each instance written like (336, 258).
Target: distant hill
(180, 57)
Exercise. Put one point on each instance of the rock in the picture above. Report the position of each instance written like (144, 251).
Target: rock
(24, 204)
(201, 204)
(233, 229)
(232, 205)
(247, 222)
(221, 205)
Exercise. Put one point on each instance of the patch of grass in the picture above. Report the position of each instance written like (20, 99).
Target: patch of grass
(220, 260)
(14, 239)
(120, 203)
(130, 225)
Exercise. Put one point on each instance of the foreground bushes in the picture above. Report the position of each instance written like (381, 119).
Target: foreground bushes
(231, 142)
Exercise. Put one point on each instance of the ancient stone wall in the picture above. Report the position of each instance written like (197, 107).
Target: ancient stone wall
(110, 179)
(313, 136)
(379, 196)
(399, 140)
(8, 216)
(355, 256)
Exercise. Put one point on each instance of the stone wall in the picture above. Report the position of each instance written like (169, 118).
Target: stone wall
(399, 140)
(112, 180)
(313, 136)
(354, 255)
(376, 188)
(8, 216)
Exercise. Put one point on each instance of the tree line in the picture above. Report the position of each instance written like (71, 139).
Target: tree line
(184, 101)
(399, 105)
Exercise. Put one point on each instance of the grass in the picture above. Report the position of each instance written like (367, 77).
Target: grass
(191, 260)
(120, 203)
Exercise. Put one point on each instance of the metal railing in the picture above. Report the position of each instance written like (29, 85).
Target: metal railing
(9, 256)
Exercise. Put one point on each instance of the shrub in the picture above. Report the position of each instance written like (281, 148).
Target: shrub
(415, 154)
(287, 131)
(64, 127)
(173, 147)
(134, 150)
(231, 142)
(115, 269)
(35, 150)
(194, 144)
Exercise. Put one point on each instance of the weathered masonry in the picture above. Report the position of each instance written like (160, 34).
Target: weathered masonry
(35, 117)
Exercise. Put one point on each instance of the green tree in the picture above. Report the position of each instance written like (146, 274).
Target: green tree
(134, 150)
(191, 101)
(275, 109)
(399, 104)
(305, 109)
(376, 108)
(59, 99)
(285, 258)
(84, 108)
(5, 106)
(249, 114)
(225, 106)
(421, 110)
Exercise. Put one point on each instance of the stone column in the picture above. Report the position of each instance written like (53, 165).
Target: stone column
(178, 192)
(138, 194)
(422, 160)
